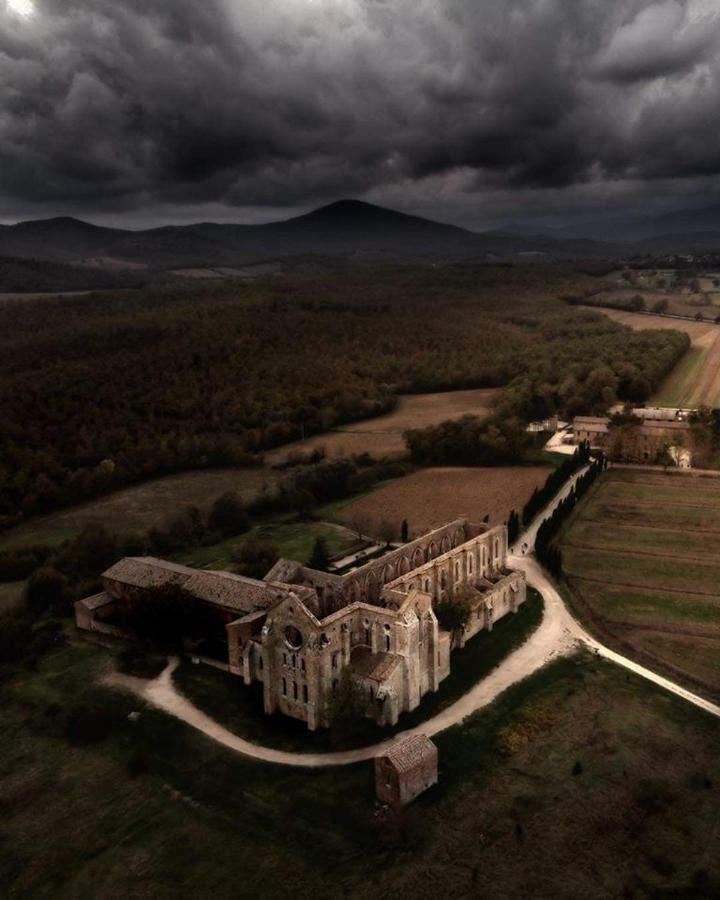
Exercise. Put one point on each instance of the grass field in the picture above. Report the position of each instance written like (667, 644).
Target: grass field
(695, 381)
(136, 509)
(383, 436)
(294, 540)
(580, 782)
(641, 556)
(431, 497)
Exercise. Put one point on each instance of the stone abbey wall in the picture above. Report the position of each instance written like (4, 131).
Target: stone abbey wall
(307, 635)
(366, 583)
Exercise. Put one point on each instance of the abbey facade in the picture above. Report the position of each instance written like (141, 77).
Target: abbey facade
(370, 626)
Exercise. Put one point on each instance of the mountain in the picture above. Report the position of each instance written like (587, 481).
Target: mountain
(349, 229)
(683, 226)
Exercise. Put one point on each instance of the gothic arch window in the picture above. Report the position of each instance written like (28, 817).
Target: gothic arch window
(433, 550)
(372, 587)
(470, 563)
(418, 558)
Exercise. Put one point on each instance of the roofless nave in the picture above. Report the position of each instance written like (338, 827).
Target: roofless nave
(300, 631)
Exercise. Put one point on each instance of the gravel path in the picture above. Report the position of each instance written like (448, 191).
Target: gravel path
(559, 634)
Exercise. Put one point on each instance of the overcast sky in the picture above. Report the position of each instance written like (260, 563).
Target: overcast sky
(471, 111)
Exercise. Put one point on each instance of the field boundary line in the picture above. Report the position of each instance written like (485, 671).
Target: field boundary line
(655, 503)
(652, 527)
(623, 584)
(699, 560)
(666, 629)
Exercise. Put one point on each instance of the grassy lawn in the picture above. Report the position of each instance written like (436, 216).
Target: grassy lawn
(240, 708)
(294, 540)
(643, 565)
(679, 386)
(137, 509)
(551, 792)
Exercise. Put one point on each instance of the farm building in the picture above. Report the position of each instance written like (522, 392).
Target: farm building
(643, 441)
(306, 634)
(406, 770)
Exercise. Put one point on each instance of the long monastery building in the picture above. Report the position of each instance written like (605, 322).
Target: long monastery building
(300, 632)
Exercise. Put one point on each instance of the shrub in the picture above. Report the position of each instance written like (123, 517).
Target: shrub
(137, 661)
(87, 725)
(254, 558)
(320, 556)
(46, 591)
(228, 515)
(136, 764)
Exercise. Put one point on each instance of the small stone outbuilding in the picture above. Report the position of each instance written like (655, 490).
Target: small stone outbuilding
(406, 770)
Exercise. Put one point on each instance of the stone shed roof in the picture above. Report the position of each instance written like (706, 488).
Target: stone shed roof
(373, 666)
(231, 591)
(598, 424)
(652, 426)
(406, 755)
(148, 572)
(96, 601)
(285, 570)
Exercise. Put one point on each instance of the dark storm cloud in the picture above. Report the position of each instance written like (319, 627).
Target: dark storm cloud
(149, 103)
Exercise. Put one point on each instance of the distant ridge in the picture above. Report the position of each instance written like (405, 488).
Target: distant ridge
(351, 229)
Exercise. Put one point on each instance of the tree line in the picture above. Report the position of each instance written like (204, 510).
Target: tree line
(549, 554)
(556, 479)
(79, 560)
(102, 391)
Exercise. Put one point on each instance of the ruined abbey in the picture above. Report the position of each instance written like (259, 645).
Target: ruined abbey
(371, 620)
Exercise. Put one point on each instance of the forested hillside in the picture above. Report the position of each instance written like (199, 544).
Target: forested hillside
(39, 275)
(99, 392)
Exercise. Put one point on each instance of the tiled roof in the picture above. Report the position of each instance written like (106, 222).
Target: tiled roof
(651, 425)
(410, 753)
(97, 601)
(147, 572)
(285, 570)
(374, 666)
(590, 423)
(232, 591)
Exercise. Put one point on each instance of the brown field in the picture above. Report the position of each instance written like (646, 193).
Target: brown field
(431, 497)
(695, 381)
(137, 509)
(383, 436)
(641, 556)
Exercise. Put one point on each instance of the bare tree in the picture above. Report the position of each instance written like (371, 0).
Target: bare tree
(387, 531)
(359, 523)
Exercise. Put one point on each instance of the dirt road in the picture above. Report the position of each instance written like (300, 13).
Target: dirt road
(559, 634)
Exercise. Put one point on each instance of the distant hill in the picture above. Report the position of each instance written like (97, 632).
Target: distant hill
(348, 228)
(681, 227)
